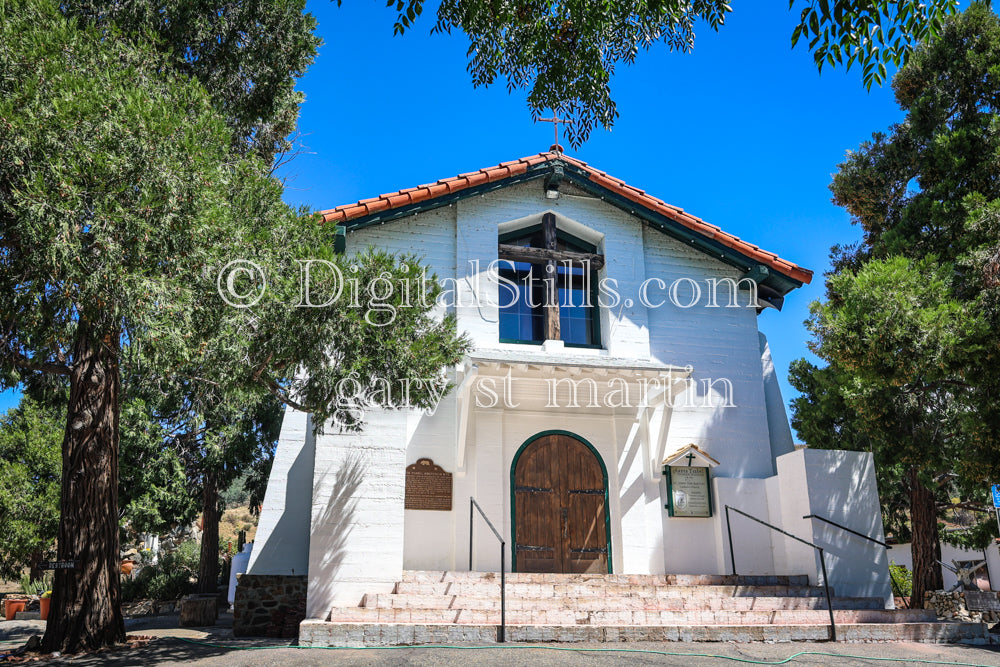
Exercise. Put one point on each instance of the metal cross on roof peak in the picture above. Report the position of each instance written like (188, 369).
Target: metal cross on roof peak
(555, 120)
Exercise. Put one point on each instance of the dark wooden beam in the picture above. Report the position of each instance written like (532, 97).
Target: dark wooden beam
(517, 253)
(551, 279)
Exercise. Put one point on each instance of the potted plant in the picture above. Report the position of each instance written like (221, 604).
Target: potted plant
(12, 604)
(43, 605)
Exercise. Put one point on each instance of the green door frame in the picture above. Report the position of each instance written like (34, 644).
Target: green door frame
(513, 499)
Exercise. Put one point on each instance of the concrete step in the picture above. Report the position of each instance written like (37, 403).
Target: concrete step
(599, 588)
(28, 616)
(438, 576)
(314, 632)
(626, 617)
(631, 603)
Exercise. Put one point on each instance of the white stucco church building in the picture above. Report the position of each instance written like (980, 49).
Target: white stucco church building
(618, 398)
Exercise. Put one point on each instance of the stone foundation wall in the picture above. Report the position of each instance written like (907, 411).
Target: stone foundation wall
(269, 605)
(951, 607)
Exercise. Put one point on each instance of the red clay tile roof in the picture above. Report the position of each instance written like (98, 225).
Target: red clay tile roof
(346, 213)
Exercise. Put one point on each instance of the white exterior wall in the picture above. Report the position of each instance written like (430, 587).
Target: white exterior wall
(839, 486)
(721, 344)
(777, 420)
(752, 542)
(356, 528)
(617, 235)
(360, 538)
(281, 544)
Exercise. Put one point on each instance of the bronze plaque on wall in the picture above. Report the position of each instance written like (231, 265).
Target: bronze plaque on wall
(428, 487)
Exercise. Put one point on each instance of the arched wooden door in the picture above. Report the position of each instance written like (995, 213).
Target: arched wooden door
(560, 507)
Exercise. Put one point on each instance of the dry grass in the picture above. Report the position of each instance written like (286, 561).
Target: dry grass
(233, 521)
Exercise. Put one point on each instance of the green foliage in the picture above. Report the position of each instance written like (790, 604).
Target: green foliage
(152, 486)
(901, 579)
(907, 328)
(869, 33)
(170, 579)
(823, 417)
(247, 55)
(565, 51)
(30, 444)
(912, 189)
(248, 488)
(136, 145)
(131, 179)
(37, 587)
(236, 493)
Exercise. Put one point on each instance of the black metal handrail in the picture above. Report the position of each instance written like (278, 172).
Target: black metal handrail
(503, 564)
(845, 528)
(822, 560)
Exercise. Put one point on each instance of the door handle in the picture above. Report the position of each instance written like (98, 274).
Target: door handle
(565, 522)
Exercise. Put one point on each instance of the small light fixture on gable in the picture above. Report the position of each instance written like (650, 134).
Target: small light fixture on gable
(552, 181)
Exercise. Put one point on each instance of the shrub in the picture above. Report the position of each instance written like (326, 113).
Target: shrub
(902, 580)
(171, 578)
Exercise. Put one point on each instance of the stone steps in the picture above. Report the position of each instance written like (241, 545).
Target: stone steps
(631, 603)
(439, 576)
(435, 606)
(618, 617)
(322, 633)
(597, 588)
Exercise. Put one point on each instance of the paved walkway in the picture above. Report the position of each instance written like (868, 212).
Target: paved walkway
(216, 647)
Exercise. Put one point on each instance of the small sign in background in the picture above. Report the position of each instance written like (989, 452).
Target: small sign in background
(58, 565)
(982, 601)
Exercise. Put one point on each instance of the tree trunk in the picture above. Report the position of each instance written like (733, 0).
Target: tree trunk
(925, 546)
(86, 601)
(208, 566)
(34, 561)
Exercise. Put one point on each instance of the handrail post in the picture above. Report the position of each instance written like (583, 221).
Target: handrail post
(829, 601)
(729, 531)
(822, 560)
(502, 632)
(501, 638)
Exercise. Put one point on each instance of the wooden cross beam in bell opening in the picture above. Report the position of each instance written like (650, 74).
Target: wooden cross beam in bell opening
(555, 120)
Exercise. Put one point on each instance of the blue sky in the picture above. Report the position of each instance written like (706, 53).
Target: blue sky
(743, 132)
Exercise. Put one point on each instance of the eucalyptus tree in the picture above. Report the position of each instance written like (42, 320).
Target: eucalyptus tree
(907, 325)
